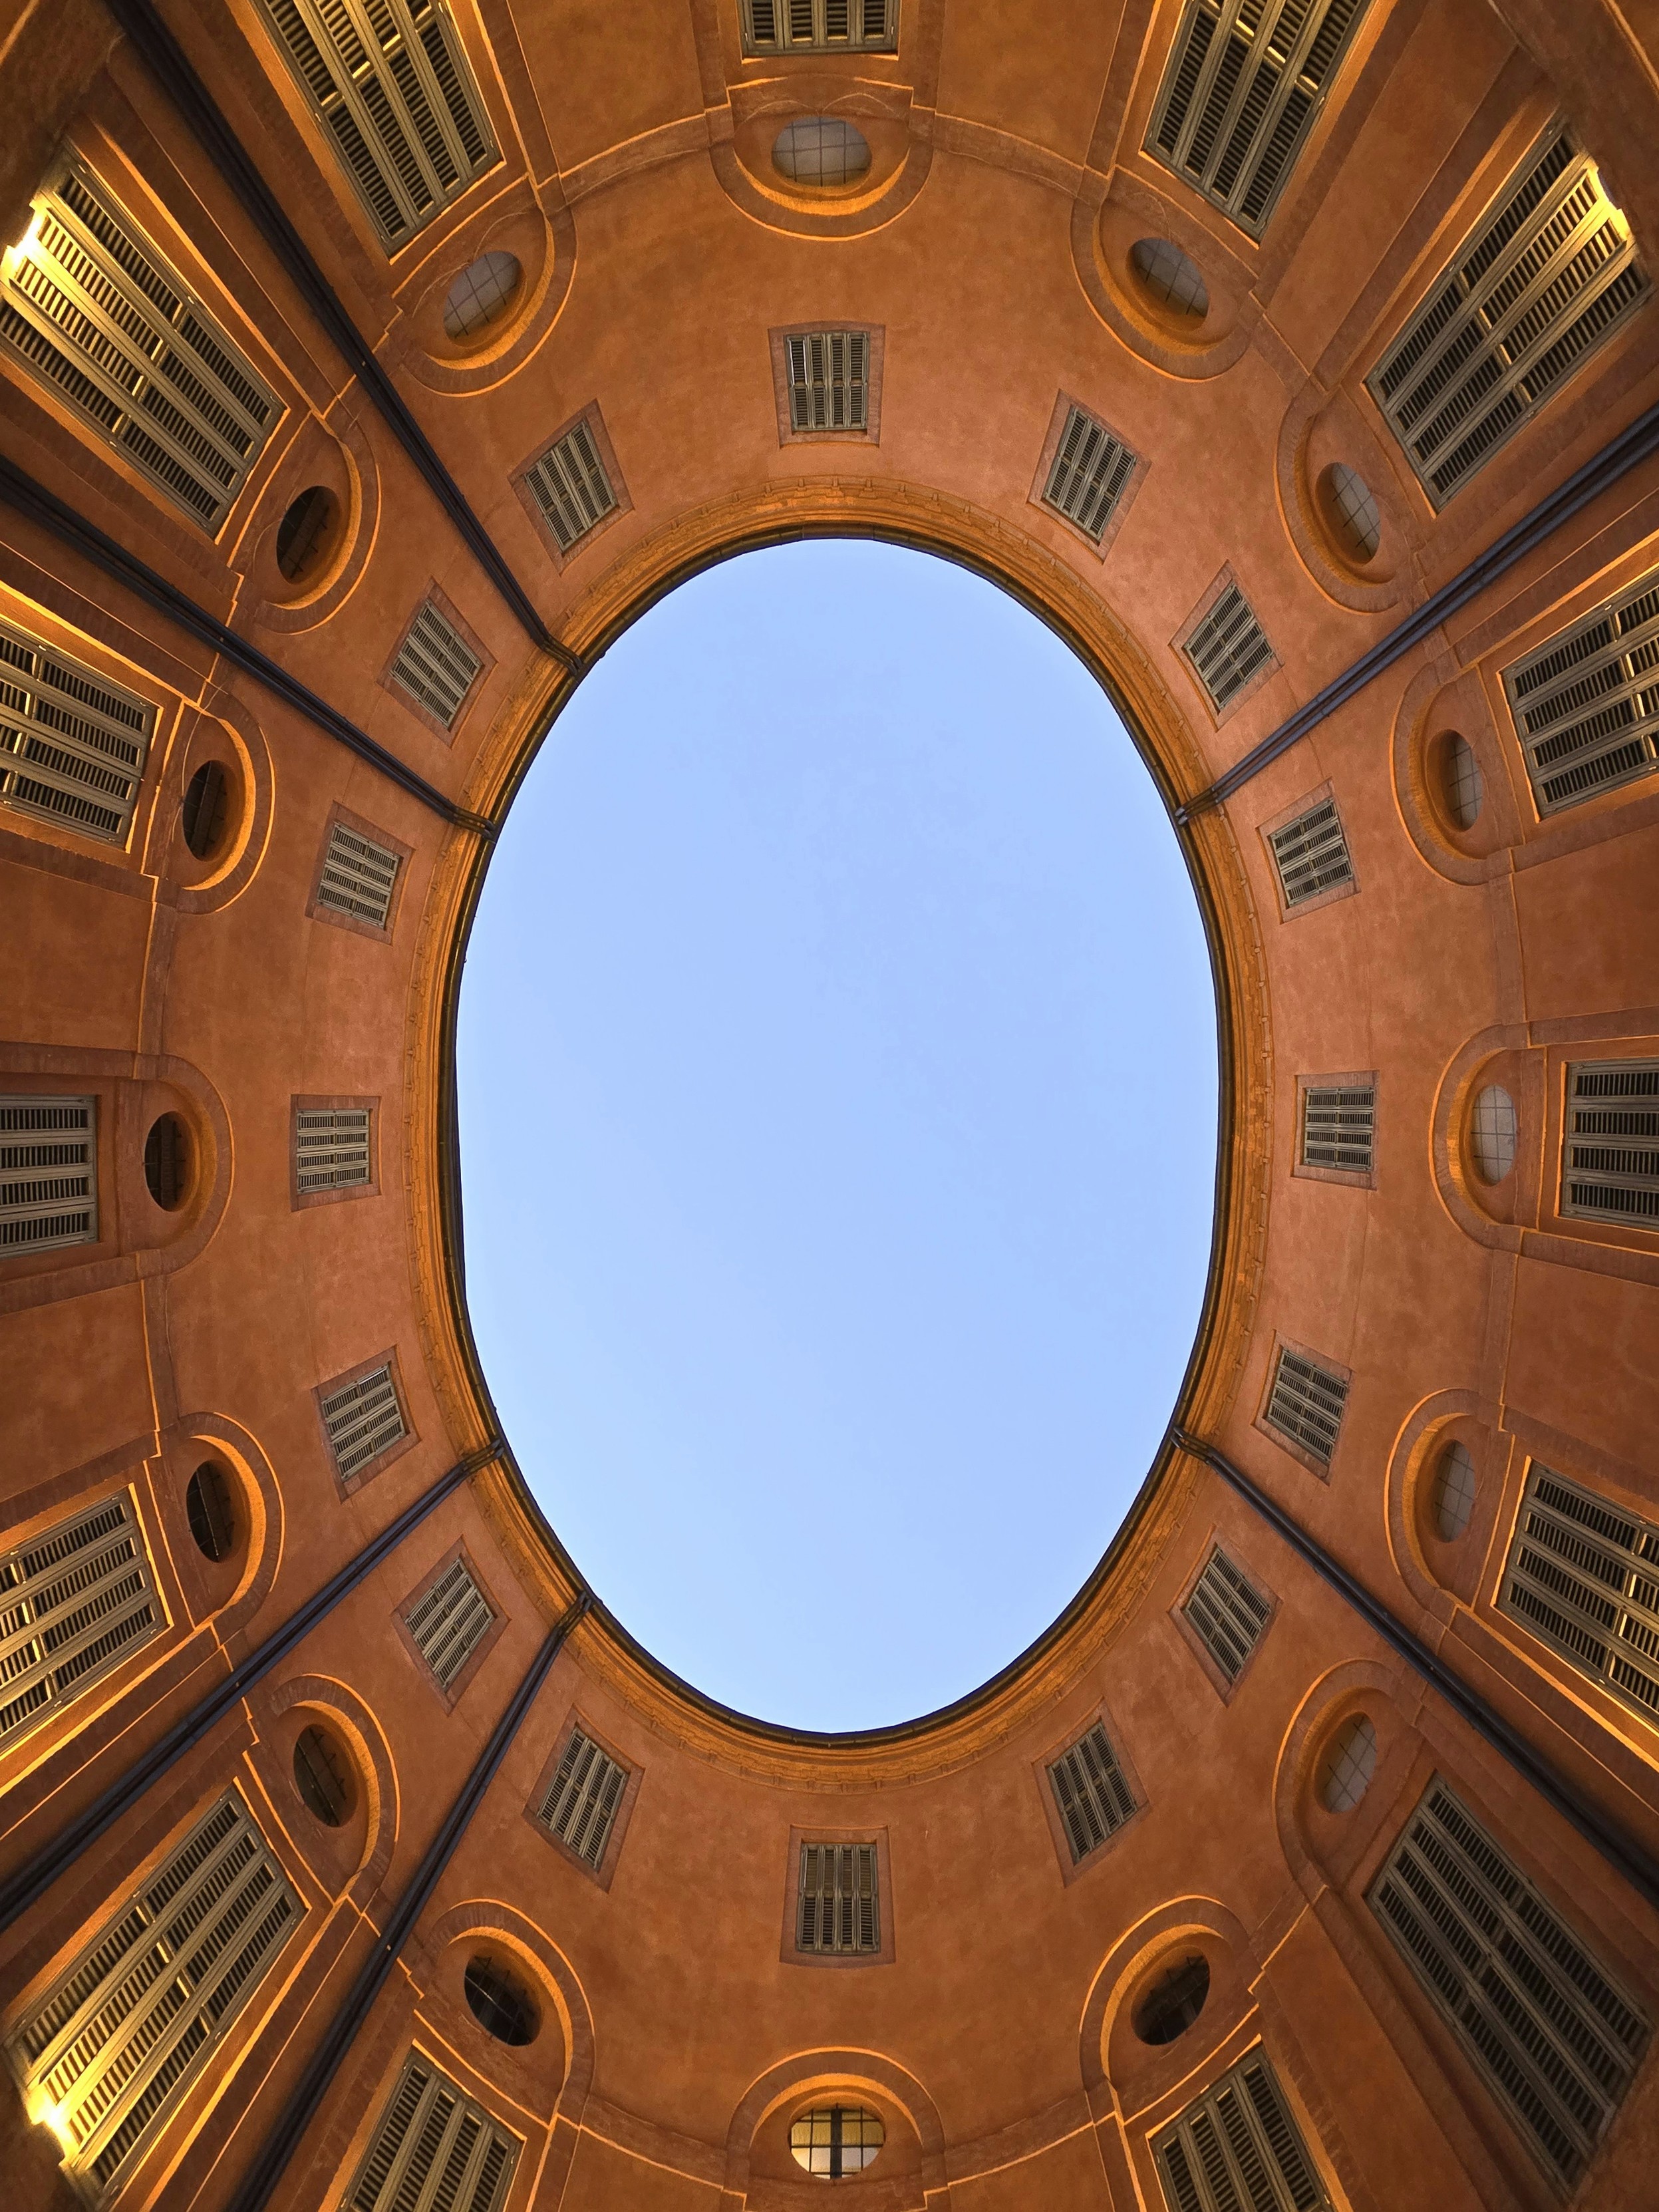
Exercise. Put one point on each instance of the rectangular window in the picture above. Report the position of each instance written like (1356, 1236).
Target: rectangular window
(72, 746)
(569, 485)
(1586, 707)
(362, 1419)
(434, 2150)
(1226, 647)
(89, 307)
(332, 1147)
(449, 1622)
(1227, 1613)
(1244, 85)
(1306, 1404)
(359, 876)
(1311, 854)
(74, 1602)
(435, 666)
(1610, 1157)
(819, 27)
(1542, 2022)
(1090, 469)
(580, 1807)
(1337, 1127)
(390, 83)
(837, 1909)
(113, 2045)
(1584, 1576)
(828, 380)
(1092, 1792)
(1239, 2145)
(48, 1174)
(1550, 273)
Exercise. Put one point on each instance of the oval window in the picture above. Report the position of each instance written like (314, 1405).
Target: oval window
(207, 800)
(481, 295)
(1492, 1133)
(1460, 781)
(1169, 279)
(166, 1162)
(499, 2001)
(1173, 2002)
(304, 535)
(821, 152)
(1453, 1498)
(322, 1774)
(835, 2140)
(211, 1513)
(1350, 1761)
(1351, 510)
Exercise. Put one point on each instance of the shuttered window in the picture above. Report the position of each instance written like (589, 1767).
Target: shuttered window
(434, 2150)
(1090, 470)
(362, 1419)
(1337, 1127)
(74, 1602)
(1583, 1575)
(72, 746)
(1237, 2146)
(1550, 273)
(1311, 854)
(1586, 705)
(819, 27)
(837, 1909)
(89, 307)
(359, 876)
(1092, 1792)
(391, 84)
(569, 485)
(1306, 1403)
(1226, 647)
(114, 2045)
(435, 666)
(1610, 1157)
(332, 1147)
(1228, 1612)
(48, 1174)
(828, 380)
(1244, 85)
(449, 1621)
(1544, 2023)
(580, 1807)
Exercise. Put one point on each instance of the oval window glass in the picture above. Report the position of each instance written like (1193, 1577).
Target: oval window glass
(821, 151)
(481, 295)
(1350, 1761)
(1453, 1500)
(1169, 279)
(1493, 1132)
(834, 2141)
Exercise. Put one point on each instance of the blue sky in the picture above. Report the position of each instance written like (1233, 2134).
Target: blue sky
(838, 1112)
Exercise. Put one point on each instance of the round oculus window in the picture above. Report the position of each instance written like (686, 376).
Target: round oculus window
(481, 295)
(1352, 511)
(1493, 1132)
(499, 2001)
(207, 801)
(833, 2140)
(1173, 2002)
(166, 1162)
(1350, 1761)
(305, 535)
(821, 152)
(1169, 279)
(322, 1774)
(1452, 1501)
(211, 1513)
(1461, 784)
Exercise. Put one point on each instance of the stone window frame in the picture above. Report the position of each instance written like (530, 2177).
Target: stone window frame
(318, 912)
(576, 1721)
(520, 475)
(1286, 815)
(445, 734)
(777, 348)
(1098, 1714)
(1061, 414)
(839, 1961)
(348, 1485)
(1320, 1468)
(449, 1697)
(1226, 580)
(1307, 1171)
(306, 1103)
(1214, 1541)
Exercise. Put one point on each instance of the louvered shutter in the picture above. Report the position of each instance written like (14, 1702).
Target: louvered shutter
(1242, 89)
(1226, 647)
(331, 1147)
(1549, 274)
(434, 2150)
(1092, 1792)
(1544, 2023)
(72, 745)
(569, 485)
(75, 1601)
(113, 2044)
(1583, 1575)
(838, 1906)
(1090, 470)
(1586, 705)
(828, 380)
(1228, 1613)
(435, 666)
(1237, 2147)
(358, 877)
(90, 307)
(1306, 1403)
(362, 1419)
(821, 27)
(1610, 1155)
(581, 1805)
(449, 1621)
(48, 1174)
(1311, 854)
(1338, 1126)
(391, 84)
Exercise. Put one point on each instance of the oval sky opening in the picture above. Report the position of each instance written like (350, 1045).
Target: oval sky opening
(838, 1114)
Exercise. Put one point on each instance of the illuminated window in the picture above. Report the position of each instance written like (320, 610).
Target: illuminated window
(1237, 2144)
(74, 1602)
(837, 1906)
(833, 2140)
(1583, 1575)
(72, 746)
(434, 2150)
(1092, 1792)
